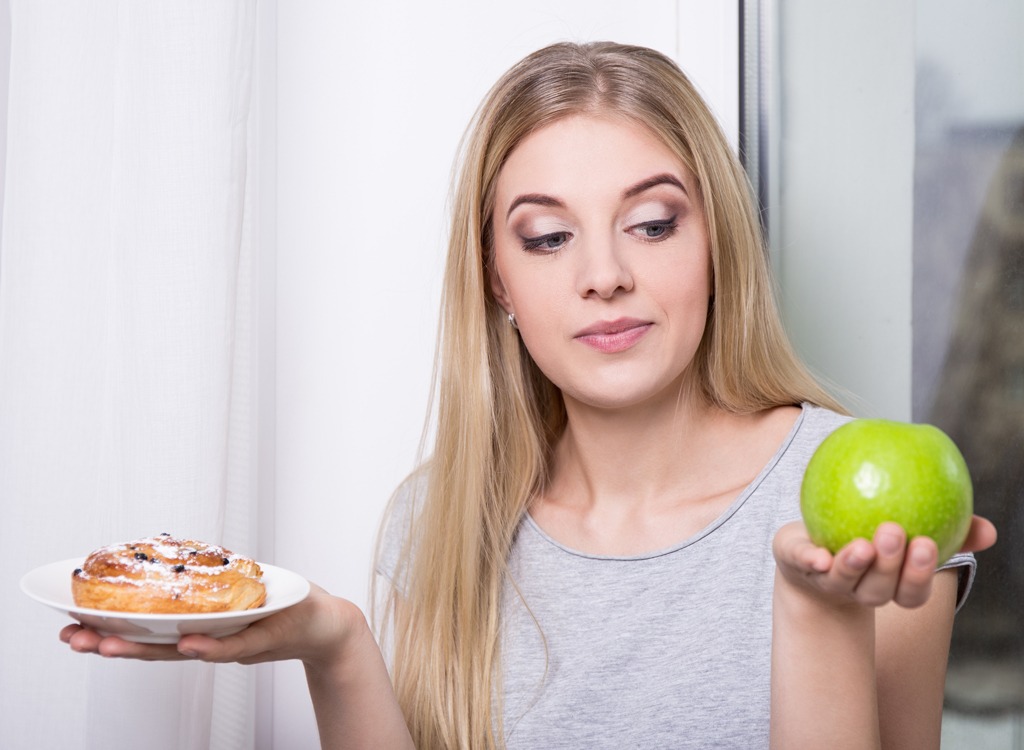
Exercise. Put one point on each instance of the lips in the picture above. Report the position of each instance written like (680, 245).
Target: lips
(613, 336)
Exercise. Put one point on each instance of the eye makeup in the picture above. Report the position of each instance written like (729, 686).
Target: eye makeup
(545, 242)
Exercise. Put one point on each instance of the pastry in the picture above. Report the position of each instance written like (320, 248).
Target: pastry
(166, 575)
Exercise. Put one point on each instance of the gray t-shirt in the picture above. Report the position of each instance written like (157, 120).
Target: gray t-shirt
(669, 649)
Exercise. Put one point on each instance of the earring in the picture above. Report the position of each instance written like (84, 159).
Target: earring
(512, 321)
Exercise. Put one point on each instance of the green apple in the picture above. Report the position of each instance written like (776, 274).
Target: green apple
(874, 470)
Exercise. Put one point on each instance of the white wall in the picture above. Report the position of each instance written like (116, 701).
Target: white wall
(365, 113)
(843, 216)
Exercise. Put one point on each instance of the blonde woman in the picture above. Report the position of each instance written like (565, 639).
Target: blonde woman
(603, 550)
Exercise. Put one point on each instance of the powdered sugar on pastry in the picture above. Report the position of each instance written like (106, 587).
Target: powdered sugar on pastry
(167, 575)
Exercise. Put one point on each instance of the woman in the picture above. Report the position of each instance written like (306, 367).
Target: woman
(603, 549)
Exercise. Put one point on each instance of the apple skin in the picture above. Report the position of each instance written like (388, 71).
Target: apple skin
(873, 470)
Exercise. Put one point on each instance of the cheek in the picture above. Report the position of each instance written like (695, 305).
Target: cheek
(542, 316)
(681, 284)
(523, 286)
(546, 350)
(502, 280)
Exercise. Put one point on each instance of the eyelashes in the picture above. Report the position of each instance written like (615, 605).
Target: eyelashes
(647, 231)
(655, 231)
(546, 242)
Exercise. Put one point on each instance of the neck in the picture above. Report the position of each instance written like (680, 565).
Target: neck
(636, 480)
(631, 455)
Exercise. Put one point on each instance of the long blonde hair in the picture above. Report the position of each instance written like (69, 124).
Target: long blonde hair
(498, 417)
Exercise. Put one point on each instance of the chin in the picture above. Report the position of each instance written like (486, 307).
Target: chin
(617, 396)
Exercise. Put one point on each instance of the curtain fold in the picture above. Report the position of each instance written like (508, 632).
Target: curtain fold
(126, 362)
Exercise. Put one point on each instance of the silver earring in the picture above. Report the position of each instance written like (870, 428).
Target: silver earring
(512, 321)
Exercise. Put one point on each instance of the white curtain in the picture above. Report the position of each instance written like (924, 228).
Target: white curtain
(126, 370)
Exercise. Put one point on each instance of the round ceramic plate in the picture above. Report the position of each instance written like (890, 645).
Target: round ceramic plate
(51, 585)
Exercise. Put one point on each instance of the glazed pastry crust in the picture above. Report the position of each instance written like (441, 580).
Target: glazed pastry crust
(166, 575)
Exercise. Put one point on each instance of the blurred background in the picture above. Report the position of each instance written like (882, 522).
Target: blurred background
(888, 147)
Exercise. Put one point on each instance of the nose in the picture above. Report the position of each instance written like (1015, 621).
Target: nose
(602, 269)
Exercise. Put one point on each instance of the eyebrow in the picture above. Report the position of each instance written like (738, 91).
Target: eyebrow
(540, 199)
(537, 199)
(658, 179)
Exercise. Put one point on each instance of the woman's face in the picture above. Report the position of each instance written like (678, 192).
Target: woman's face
(601, 251)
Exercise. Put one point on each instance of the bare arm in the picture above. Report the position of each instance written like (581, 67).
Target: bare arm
(348, 681)
(911, 650)
(860, 641)
(823, 681)
(352, 696)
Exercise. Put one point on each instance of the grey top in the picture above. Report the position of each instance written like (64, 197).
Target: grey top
(669, 649)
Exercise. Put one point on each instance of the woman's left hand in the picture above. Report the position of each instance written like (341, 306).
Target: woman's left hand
(868, 573)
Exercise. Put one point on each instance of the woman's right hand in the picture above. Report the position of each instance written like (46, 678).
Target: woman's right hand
(349, 684)
(312, 631)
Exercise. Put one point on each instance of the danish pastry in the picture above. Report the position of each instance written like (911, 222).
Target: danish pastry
(166, 575)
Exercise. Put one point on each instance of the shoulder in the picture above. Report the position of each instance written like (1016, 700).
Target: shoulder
(817, 423)
(812, 426)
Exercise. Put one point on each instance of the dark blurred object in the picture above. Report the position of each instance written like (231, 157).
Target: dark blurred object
(978, 399)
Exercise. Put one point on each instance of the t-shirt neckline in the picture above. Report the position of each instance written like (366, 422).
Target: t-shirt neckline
(724, 516)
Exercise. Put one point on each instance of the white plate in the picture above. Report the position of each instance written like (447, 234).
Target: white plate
(51, 585)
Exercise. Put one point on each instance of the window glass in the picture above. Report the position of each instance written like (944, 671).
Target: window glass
(968, 323)
(886, 142)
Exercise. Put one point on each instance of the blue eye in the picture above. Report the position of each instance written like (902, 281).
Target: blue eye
(547, 242)
(656, 230)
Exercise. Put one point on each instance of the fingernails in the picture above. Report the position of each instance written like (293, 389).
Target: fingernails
(188, 652)
(921, 557)
(821, 563)
(889, 543)
(856, 560)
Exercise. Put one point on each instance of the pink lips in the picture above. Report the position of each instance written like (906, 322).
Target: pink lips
(614, 335)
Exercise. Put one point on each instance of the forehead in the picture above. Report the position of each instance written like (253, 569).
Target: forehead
(586, 152)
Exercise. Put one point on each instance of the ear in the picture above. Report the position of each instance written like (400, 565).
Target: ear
(498, 288)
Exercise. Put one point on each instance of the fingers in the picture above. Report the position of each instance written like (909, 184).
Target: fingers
(204, 648)
(309, 629)
(796, 553)
(850, 568)
(918, 572)
(981, 535)
(115, 647)
(80, 639)
(88, 641)
(866, 573)
(891, 570)
(294, 633)
(67, 632)
(201, 647)
(251, 646)
(877, 566)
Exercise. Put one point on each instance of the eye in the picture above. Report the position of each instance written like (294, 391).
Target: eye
(655, 230)
(547, 242)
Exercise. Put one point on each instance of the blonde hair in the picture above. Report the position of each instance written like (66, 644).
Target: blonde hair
(498, 417)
